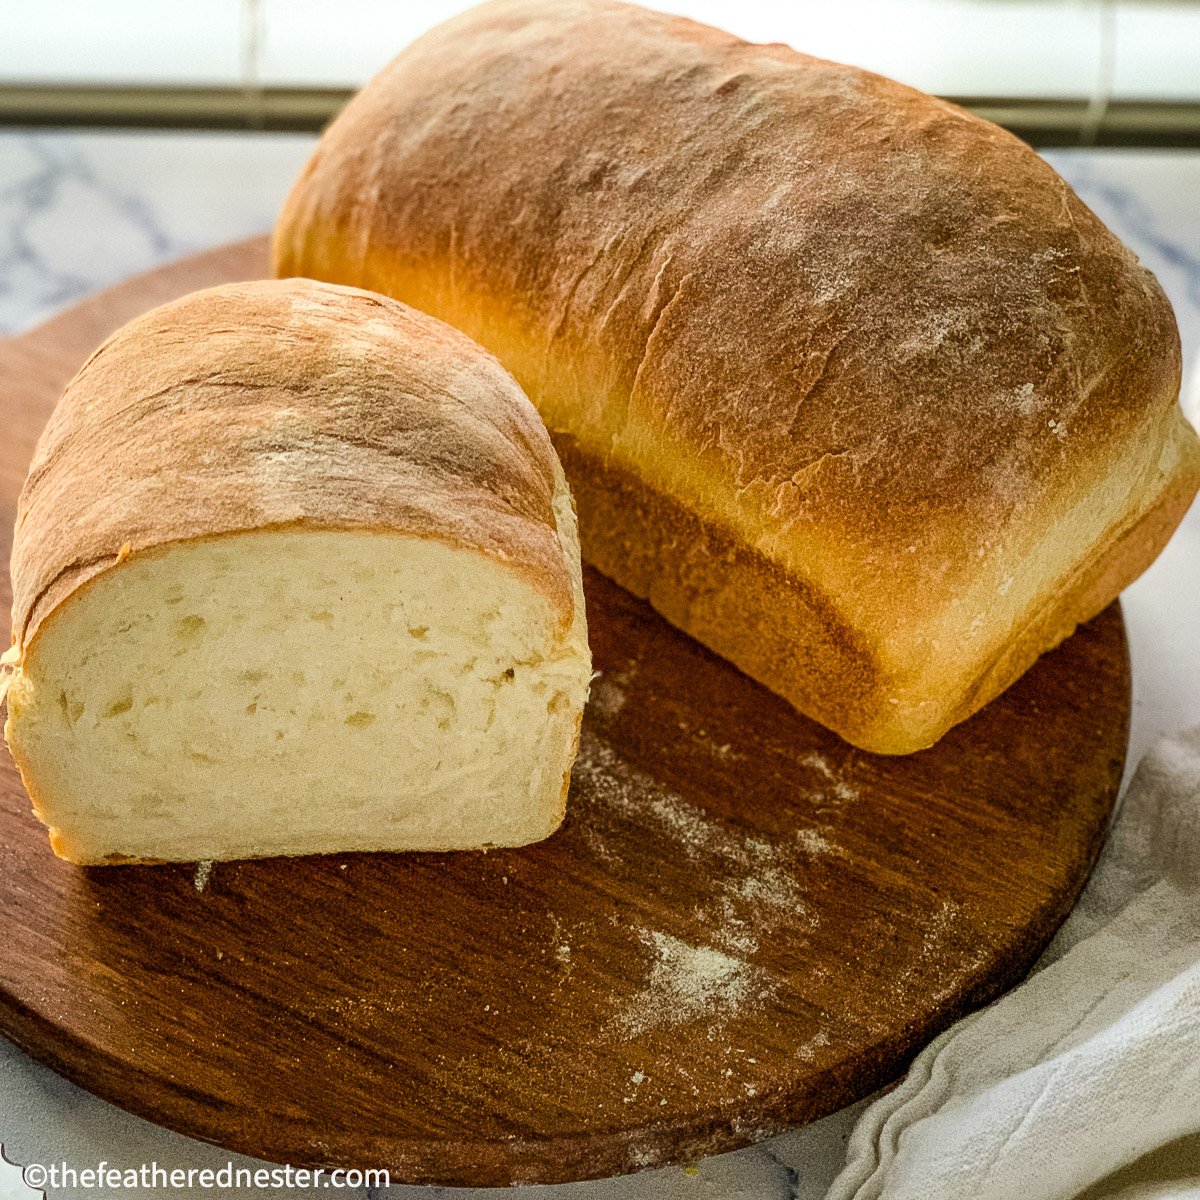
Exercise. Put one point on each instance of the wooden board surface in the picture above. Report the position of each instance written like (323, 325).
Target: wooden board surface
(744, 924)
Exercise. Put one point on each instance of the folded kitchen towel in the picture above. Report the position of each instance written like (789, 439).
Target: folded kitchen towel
(1090, 1065)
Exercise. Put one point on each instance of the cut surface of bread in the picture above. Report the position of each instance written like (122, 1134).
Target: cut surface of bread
(847, 381)
(293, 692)
(296, 571)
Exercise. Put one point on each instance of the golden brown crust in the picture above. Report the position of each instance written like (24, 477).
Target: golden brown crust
(726, 594)
(773, 627)
(869, 338)
(257, 405)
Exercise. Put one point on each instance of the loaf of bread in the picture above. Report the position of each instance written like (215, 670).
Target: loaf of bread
(846, 381)
(295, 570)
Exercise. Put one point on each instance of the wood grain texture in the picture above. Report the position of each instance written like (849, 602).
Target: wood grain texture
(743, 924)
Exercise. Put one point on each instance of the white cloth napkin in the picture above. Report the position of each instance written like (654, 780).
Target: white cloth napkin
(1085, 1078)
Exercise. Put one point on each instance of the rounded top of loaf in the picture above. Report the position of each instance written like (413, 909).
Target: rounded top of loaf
(868, 330)
(285, 403)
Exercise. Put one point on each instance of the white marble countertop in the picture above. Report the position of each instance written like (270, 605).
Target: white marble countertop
(79, 211)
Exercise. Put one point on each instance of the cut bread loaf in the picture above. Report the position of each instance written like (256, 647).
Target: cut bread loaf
(846, 381)
(295, 571)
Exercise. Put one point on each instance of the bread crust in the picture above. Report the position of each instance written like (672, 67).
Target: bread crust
(269, 405)
(855, 335)
(772, 625)
(283, 403)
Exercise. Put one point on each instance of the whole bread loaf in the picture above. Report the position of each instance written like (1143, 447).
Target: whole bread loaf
(847, 381)
(295, 570)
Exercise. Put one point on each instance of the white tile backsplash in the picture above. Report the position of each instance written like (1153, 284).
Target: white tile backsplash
(970, 48)
(193, 42)
(1157, 51)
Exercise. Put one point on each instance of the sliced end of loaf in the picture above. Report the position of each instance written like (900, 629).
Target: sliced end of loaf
(293, 691)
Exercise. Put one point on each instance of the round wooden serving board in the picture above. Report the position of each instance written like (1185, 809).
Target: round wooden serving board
(744, 923)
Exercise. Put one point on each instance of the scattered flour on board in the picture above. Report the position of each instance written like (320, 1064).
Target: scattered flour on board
(758, 849)
(939, 926)
(687, 983)
(1027, 400)
(562, 948)
(626, 790)
(685, 820)
(812, 841)
(840, 788)
(949, 945)
(598, 846)
(642, 1156)
(719, 750)
(807, 1051)
(730, 927)
(818, 764)
(608, 693)
(771, 886)
(203, 871)
(755, 889)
